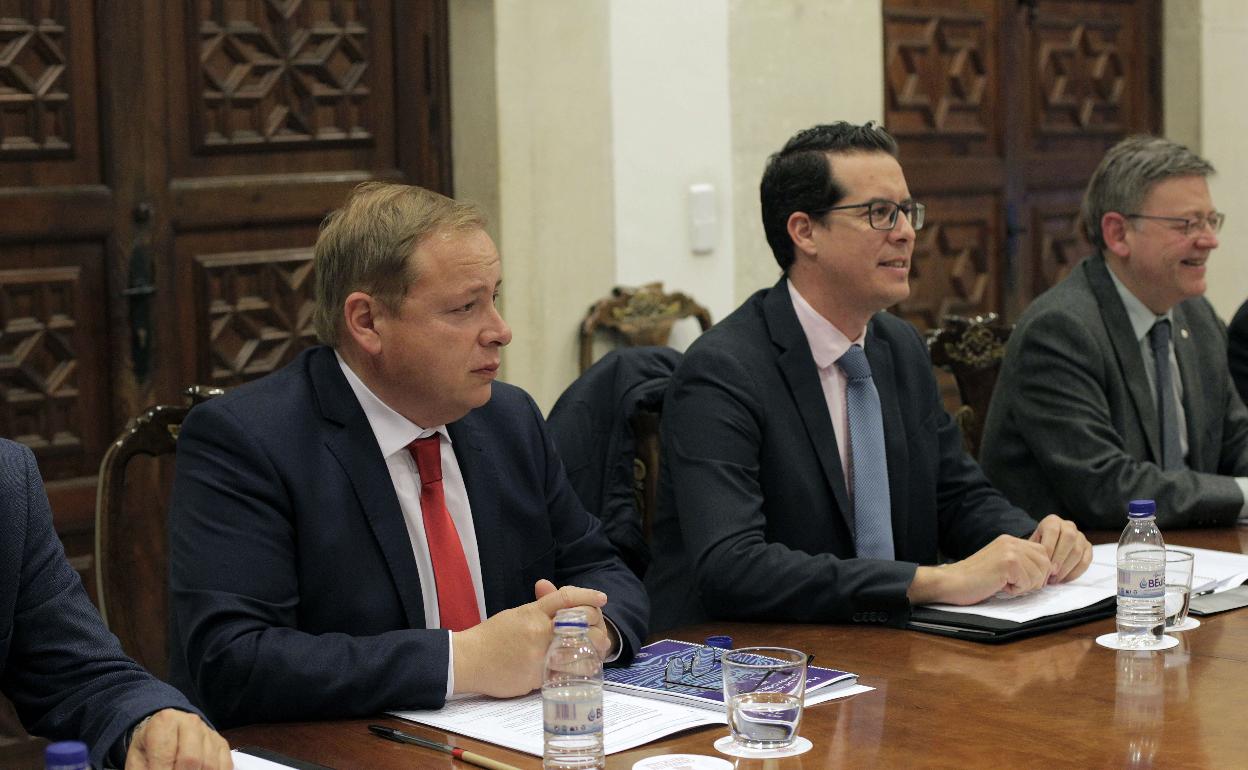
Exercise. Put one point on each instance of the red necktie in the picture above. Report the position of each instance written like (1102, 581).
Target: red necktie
(457, 600)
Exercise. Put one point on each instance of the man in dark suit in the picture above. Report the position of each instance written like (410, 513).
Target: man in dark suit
(1115, 383)
(1237, 350)
(59, 665)
(810, 472)
(379, 524)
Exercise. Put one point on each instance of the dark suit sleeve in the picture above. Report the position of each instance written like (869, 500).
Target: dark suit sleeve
(713, 425)
(1061, 412)
(235, 596)
(65, 673)
(583, 554)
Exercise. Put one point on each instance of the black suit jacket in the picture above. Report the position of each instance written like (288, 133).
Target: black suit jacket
(754, 518)
(63, 670)
(1073, 428)
(1237, 350)
(294, 589)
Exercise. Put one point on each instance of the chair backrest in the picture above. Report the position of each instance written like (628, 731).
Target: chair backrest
(637, 316)
(131, 547)
(972, 350)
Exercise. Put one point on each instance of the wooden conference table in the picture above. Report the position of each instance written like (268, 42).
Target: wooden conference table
(1056, 700)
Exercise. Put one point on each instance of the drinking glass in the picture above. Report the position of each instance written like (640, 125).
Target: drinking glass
(1178, 585)
(764, 689)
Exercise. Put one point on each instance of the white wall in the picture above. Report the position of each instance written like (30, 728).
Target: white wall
(671, 127)
(1223, 113)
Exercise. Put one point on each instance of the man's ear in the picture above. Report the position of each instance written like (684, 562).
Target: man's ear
(360, 313)
(801, 229)
(1114, 232)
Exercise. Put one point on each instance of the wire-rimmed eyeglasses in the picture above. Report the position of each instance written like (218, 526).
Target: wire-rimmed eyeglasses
(1213, 221)
(700, 669)
(882, 214)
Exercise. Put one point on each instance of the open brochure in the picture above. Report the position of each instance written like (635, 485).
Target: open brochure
(649, 677)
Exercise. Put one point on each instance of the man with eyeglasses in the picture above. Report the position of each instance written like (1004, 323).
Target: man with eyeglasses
(1115, 384)
(810, 471)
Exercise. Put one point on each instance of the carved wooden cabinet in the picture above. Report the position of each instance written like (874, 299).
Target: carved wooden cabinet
(164, 166)
(1002, 109)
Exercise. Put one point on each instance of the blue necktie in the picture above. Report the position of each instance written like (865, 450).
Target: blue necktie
(1167, 406)
(873, 525)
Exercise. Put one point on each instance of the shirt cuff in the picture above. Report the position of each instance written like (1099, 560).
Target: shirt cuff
(450, 664)
(1243, 489)
(617, 642)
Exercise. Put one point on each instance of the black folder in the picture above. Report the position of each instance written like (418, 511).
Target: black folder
(978, 628)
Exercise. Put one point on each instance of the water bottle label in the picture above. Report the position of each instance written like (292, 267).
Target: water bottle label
(572, 717)
(1144, 582)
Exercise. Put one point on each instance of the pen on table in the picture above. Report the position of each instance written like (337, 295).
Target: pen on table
(395, 735)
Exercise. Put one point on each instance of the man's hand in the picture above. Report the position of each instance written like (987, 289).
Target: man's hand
(1067, 548)
(502, 656)
(176, 739)
(1006, 564)
(600, 632)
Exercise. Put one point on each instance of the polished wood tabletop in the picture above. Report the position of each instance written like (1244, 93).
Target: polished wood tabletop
(1056, 700)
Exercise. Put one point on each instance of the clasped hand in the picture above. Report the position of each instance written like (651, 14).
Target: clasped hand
(503, 655)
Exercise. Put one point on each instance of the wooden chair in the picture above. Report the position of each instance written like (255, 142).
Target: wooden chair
(637, 316)
(645, 424)
(972, 350)
(131, 547)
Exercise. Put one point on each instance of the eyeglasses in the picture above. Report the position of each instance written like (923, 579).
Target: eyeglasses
(699, 669)
(883, 214)
(1213, 221)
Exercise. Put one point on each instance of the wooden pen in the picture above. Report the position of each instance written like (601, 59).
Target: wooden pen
(390, 733)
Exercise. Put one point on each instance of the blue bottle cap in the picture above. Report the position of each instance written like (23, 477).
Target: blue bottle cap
(65, 754)
(719, 642)
(1138, 508)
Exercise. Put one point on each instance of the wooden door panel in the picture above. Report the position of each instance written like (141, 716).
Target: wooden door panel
(1059, 242)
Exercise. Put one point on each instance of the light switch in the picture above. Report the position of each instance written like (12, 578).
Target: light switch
(703, 225)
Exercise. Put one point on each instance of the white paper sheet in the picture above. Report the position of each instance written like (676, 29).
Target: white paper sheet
(248, 762)
(516, 723)
(1218, 570)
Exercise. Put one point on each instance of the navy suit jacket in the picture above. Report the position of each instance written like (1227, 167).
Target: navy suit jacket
(754, 518)
(63, 670)
(294, 589)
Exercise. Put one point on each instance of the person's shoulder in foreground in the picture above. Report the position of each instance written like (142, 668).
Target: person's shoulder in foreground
(758, 516)
(64, 672)
(1075, 426)
(305, 534)
(1237, 350)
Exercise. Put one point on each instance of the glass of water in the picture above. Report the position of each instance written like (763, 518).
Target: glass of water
(764, 689)
(1178, 586)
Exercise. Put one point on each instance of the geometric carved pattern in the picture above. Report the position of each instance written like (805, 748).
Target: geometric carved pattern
(1062, 246)
(38, 364)
(936, 73)
(1081, 76)
(949, 273)
(258, 306)
(281, 72)
(34, 99)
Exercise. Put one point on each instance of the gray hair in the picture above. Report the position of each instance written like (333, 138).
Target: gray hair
(367, 245)
(1128, 173)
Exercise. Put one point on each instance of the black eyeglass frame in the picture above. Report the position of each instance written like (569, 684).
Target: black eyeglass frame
(916, 212)
(1214, 221)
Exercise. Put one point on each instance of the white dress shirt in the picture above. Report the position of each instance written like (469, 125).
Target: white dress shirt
(394, 432)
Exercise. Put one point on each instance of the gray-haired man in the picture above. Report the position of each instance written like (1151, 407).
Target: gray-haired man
(1115, 385)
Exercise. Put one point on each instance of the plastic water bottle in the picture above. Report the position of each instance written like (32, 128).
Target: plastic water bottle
(66, 755)
(1141, 582)
(572, 697)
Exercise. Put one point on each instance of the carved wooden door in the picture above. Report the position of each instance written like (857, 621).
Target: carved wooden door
(1002, 110)
(163, 170)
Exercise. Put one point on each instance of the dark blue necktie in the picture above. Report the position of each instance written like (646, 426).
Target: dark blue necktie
(1167, 406)
(873, 526)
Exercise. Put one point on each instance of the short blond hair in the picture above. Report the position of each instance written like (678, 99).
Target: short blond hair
(367, 246)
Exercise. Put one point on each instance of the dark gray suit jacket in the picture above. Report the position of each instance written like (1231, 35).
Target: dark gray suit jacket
(1072, 429)
(754, 520)
(1237, 349)
(63, 670)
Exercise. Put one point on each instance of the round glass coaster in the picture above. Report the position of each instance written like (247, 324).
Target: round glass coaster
(682, 762)
(727, 745)
(1110, 640)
